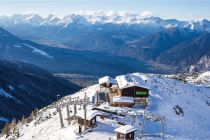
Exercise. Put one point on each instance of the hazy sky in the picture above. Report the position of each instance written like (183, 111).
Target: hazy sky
(180, 9)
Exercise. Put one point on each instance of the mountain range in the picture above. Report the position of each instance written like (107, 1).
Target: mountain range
(158, 42)
(94, 18)
(67, 30)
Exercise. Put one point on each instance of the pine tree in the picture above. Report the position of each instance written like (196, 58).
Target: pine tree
(19, 122)
(36, 111)
(31, 117)
(6, 130)
(13, 125)
(16, 132)
(23, 120)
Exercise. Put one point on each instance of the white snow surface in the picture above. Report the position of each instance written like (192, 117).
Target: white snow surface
(5, 94)
(204, 78)
(3, 119)
(166, 93)
(130, 80)
(106, 79)
(120, 99)
(38, 51)
(90, 114)
(125, 129)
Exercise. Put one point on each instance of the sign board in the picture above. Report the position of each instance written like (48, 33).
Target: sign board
(141, 93)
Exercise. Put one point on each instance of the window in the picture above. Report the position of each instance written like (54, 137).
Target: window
(130, 136)
(121, 136)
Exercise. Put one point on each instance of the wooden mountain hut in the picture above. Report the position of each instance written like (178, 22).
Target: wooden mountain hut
(133, 86)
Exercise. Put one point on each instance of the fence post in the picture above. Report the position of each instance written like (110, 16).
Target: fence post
(60, 116)
(75, 110)
(142, 127)
(162, 126)
(68, 115)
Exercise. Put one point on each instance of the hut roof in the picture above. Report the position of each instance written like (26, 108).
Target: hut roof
(131, 80)
(125, 129)
(106, 79)
(123, 99)
(89, 115)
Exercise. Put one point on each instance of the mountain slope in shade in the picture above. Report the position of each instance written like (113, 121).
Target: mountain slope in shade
(153, 53)
(65, 60)
(7, 38)
(12, 46)
(193, 52)
(150, 47)
(166, 94)
(24, 87)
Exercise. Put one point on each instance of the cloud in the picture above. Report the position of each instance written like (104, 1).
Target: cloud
(109, 13)
(112, 13)
(146, 14)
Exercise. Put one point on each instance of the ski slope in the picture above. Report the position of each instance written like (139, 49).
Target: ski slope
(165, 95)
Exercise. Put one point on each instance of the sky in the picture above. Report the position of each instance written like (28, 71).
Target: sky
(179, 9)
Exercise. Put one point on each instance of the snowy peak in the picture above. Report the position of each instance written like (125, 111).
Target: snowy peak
(93, 18)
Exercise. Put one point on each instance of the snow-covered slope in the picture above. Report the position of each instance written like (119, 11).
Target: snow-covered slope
(199, 78)
(166, 95)
(204, 78)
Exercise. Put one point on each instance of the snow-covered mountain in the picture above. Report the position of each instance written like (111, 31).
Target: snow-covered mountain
(95, 18)
(167, 98)
(60, 29)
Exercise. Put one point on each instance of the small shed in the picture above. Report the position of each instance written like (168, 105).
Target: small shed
(106, 81)
(90, 118)
(123, 101)
(125, 132)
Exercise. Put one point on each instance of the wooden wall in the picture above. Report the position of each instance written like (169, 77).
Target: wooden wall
(129, 136)
(131, 91)
(117, 104)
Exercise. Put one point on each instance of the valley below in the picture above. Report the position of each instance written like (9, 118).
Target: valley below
(79, 79)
